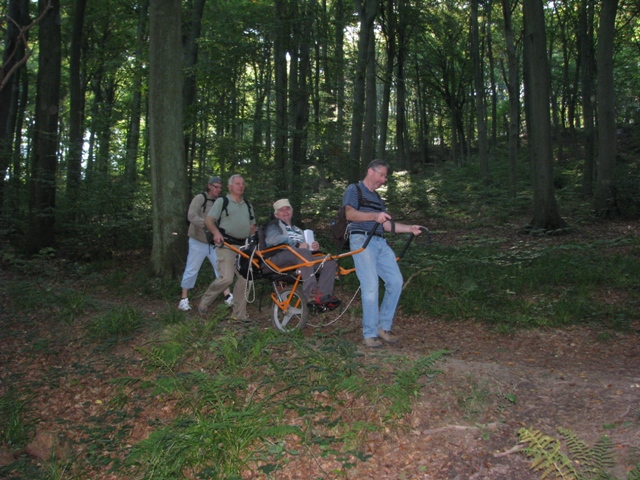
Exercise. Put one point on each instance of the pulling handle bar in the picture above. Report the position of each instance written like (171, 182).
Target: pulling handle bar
(427, 241)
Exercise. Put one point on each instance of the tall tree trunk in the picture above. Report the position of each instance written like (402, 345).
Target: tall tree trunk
(106, 104)
(280, 68)
(133, 132)
(422, 112)
(478, 78)
(367, 10)
(76, 106)
(340, 75)
(511, 79)
(189, 91)
(605, 201)
(402, 134)
(587, 74)
(41, 227)
(492, 77)
(300, 97)
(14, 53)
(389, 29)
(546, 216)
(371, 104)
(169, 192)
(262, 74)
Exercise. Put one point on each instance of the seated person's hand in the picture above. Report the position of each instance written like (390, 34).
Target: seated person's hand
(314, 247)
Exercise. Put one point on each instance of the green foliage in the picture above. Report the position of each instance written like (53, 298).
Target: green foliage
(406, 385)
(474, 400)
(111, 217)
(235, 406)
(628, 189)
(74, 304)
(17, 421)
(634, 474)
(528, 285)
(594, 460)
(582, 462)
(119, 321)
(214, 446)
(27, 295)
(546, 455)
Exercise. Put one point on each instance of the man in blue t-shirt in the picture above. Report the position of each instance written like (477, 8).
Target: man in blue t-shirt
(377, 260)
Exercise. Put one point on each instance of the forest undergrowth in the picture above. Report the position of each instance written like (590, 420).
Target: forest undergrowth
(102, 376)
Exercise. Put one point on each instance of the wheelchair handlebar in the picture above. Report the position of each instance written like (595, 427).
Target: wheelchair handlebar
(425, 231)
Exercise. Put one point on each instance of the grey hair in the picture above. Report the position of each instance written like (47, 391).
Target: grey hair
(233, 177)
(379, 163)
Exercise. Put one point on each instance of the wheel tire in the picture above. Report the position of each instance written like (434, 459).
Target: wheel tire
(295, 317)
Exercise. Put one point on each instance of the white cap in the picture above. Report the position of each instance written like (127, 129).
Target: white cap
(283, 202)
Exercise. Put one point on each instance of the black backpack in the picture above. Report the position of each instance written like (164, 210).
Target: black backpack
(204, 206)
(339, 224)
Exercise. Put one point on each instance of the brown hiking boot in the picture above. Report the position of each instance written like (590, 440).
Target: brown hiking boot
(387, 336)
(373, 342)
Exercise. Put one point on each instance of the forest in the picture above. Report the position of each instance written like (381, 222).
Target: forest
(512, 131)
(114, 113)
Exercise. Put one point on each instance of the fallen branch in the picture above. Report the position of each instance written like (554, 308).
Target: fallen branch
(488, 426)
(419, 272)
(514, 449)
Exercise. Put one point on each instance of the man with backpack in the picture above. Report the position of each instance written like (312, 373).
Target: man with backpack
(199, 248)
(366, 212)
(282, 231)
(230, 220)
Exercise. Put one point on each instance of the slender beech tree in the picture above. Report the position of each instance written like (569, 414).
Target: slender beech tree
(371, 105)
(478, 80)
(587, 75)
(76, 105)
(280, 71)
(389, 31)
(402, 128)
(41, 227)
(339, 64)
(492, 76)
(513, 87)
(300, 93)
(169, 193)
(605, 202)
(546, 216)
(11, 71)
(190, 84)
(133, 132)
(367, 11)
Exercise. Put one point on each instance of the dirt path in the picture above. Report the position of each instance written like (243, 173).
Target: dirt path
(464, 423)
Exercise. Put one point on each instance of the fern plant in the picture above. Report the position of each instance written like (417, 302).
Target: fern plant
(406, 384)
(582, 461)
(546, 455)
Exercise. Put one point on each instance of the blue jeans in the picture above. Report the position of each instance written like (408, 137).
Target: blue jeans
(198, 251)
(377, 260)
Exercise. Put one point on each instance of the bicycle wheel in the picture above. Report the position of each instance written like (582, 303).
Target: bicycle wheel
(295, 317)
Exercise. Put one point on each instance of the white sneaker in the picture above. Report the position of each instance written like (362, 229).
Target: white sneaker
(228, 300)
(184, 305)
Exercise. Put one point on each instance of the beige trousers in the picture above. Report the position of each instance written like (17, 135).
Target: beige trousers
(226, 272)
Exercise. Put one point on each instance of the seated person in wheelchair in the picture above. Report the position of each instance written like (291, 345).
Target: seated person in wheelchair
(318, 289)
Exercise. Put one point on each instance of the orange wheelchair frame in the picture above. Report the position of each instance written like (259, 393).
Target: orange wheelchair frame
(291, 309)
